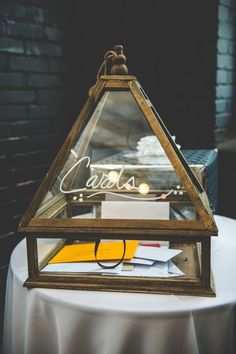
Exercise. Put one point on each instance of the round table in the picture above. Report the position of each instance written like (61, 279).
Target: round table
(52, 321)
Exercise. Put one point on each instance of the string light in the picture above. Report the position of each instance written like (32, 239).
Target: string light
(113, 176)
(143, 188)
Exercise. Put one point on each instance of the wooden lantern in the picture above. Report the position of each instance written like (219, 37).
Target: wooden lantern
(120, 176)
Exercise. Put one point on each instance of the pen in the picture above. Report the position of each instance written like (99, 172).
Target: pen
(151, 244)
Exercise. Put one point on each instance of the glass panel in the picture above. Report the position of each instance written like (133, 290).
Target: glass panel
(149, 258)
(46, 247)
(117, 169)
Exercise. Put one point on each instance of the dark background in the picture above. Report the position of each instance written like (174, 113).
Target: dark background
(170, 47)
(182, 52)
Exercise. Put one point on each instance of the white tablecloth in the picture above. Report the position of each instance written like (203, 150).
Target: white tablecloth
(50, 321)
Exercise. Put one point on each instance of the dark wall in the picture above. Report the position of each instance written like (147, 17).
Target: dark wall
(171, 48)
(225, 69)
(31, 110)
(225, 108)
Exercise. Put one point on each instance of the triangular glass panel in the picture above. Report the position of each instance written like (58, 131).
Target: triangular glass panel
(119, 163)
(118, 169)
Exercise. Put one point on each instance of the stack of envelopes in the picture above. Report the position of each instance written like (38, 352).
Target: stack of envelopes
(145, 259)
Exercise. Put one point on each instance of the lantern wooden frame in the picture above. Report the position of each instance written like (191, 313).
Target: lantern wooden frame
(185, 233)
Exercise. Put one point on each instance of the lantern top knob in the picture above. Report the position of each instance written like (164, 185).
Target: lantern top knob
(118, 61)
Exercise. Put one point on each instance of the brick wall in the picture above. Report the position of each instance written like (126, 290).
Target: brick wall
(31, 108)
(225, 68)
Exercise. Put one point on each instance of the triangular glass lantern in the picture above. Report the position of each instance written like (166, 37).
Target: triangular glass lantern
(119, 176)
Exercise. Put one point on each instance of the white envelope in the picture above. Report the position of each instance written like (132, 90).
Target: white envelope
(173, 270)
(144, 210)
(159, 269)
(161, 254)
(140, 261)
(82, 267)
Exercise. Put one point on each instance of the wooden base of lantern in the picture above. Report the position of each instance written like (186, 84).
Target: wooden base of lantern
(159, 289)
(194, 261)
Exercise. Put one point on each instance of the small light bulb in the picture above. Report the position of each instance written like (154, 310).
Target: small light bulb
(75, 197)
(113, 176)
(143, 188)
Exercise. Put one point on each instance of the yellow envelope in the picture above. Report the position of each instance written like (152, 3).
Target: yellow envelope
(107, 251)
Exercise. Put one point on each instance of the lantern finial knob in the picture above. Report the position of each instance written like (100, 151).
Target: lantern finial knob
(118, 62)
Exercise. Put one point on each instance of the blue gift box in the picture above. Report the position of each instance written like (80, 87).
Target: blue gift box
(202, 162)
(208, 160)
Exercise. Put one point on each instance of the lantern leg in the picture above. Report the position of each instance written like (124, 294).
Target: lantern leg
(32, 253)
(206, 274)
